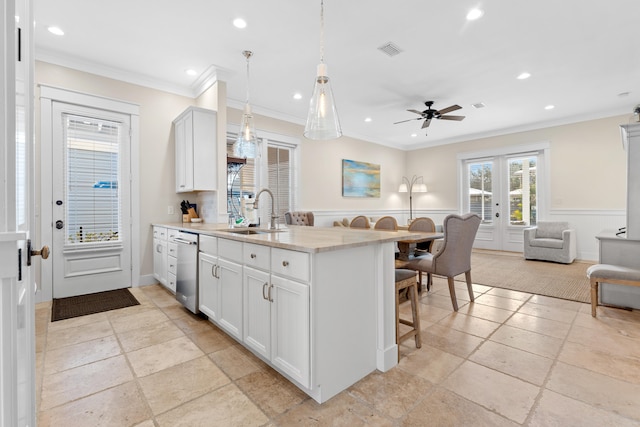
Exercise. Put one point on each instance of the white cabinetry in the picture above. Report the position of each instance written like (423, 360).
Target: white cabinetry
(160, 254)
(276, 309)
(196, 150)
(172, 260)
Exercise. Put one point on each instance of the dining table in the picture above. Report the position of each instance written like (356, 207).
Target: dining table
(407, 248)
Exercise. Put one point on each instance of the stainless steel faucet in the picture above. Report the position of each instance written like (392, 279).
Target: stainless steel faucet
(273, 206)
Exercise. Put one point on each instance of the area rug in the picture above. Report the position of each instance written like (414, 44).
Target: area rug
(511, 271)
(81, 305)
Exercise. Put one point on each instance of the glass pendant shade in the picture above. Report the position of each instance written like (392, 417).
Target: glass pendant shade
(322, 120)
(245, 145)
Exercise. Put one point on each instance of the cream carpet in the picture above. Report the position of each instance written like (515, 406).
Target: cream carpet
(511, 271)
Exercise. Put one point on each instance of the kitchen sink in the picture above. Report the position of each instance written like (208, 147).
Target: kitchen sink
(249, 231)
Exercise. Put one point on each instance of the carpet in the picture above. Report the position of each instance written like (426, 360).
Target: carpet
(81, 305)
(511, 271)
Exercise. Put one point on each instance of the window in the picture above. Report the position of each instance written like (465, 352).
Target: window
(480, 190)
(522, 190)
(91, 180)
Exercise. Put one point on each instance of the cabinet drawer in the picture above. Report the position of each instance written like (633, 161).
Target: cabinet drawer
(172, 249)
(256, 256)
(171, 282)
(172, 233)
(160, 233)
(172, 265)
(208, 244)
(230, 249)
(290, 263)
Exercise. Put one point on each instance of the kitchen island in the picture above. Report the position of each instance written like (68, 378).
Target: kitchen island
(316, 304)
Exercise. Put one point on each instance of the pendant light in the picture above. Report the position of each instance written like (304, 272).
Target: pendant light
(245, 145)
(322, 120)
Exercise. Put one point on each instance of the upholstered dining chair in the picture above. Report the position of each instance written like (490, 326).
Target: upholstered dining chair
(427, 225)
(298, 218)
(360, 221)
(454, 257)
(386, 223)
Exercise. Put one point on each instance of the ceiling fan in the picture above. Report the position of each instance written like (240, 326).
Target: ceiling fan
(430, 113)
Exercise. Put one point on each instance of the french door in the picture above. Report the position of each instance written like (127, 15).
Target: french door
(91, 200)
(503, 190)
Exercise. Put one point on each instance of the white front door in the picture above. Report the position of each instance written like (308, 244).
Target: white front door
(503, 191)
(91, 200)
(17, 287)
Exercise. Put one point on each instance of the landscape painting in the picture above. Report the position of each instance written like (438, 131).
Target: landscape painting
(360, 179)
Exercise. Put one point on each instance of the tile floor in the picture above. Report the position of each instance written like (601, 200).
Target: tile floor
(508, 359)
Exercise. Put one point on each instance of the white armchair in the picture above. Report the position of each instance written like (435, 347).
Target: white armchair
(550, 241)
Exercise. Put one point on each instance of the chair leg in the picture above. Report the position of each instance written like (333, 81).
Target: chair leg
(594, 297)
(429, 281)
(420, 281)
(415, 312)
(452, 292)
(468, 277)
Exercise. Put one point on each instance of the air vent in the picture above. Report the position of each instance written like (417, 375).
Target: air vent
(390, 49)
(478, 105)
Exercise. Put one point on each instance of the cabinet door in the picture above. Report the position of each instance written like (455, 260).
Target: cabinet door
(160, 260)
(290, 328)
(257, 311)
(230, 310)
(208, 286)
(184, 153)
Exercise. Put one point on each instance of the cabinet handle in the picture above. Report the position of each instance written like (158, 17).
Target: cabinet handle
(253, 256)
(270, 299)
(216, 273)
(213, 270)
(285, 263)
(265, 296)
(159, 248)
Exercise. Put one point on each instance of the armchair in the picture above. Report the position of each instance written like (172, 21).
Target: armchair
(550, 241)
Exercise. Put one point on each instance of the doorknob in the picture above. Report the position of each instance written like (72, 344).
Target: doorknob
(44, 252)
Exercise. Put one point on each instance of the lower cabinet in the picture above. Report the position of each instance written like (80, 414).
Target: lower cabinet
(208, 285)
(276, 322)
(230, 288)
(160, 260)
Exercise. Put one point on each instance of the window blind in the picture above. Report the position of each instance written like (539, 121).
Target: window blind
(91, 177)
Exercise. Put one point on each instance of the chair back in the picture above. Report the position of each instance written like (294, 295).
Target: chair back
(360, 221)
(455, 255)
(386, 223)
(422, 224)
(298, 218)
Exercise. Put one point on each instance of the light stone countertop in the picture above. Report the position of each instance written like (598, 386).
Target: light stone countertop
(300, 238)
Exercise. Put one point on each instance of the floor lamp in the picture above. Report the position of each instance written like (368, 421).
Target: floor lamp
(412, 186)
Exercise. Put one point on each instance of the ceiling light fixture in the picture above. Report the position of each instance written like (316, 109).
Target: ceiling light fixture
(367, 119)
(523, 76)
(191, 72)
(474, 14)
(245, 145)
(549, 107)
(56, 30)
(322, 120)
(297, 95)
(239, 23)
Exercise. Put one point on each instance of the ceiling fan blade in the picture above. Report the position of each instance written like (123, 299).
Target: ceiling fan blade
(426, 124)
(458, 118)
(415, 111)
(417, 118)
(449, 109)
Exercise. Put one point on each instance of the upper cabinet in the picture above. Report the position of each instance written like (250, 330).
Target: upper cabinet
(196, 158)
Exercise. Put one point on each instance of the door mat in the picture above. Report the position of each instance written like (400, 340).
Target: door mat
(81, 305)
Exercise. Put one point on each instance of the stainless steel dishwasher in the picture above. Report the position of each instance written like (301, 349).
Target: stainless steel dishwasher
(187, 270)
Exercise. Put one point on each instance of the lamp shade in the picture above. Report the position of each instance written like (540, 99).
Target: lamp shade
(322, 120)
(403, 188)
(420, 188)
(245, 144)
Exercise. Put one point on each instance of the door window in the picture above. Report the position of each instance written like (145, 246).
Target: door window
(480, 196)
(522, 190)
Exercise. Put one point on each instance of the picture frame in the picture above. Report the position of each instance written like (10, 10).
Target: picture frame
(360, 179)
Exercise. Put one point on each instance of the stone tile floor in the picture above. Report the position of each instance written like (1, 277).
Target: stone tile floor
(509, 359)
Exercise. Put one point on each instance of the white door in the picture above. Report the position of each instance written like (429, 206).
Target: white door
(17, 287)
(503, 191)
(91, 200)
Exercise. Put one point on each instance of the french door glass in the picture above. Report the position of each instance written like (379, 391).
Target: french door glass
(522, 190)
(480, 194)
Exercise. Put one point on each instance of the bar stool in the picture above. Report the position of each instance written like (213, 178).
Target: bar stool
(406, 279)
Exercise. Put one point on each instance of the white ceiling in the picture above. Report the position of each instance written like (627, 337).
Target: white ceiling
(581, 56)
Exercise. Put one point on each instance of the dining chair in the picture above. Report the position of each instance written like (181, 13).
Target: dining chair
(454, 257)
(386, 223)
(427, 225)
(298, 218)
(360, 221)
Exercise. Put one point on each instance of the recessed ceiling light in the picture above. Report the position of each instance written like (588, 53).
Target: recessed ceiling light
(524, 76)
(478, 105)
(549, 107)
(56, 30)
(191, 72)
(474, 14)
(413, 135)
(297, 95)
(239, 23)
(368, 119)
